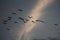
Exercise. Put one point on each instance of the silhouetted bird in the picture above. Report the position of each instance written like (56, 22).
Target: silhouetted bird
(56, 24)
(8, 29)
(33, 21)
(20, 10)
(15, 22)
(30, 16)
(27, 20)
(22, 19)
(40, 21)
(9, 17)
(13, 13)
(5, 21)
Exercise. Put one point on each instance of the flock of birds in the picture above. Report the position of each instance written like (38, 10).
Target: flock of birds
(24, 20)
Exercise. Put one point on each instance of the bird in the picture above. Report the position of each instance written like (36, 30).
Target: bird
(37, 20)
(22, 19)
(26, 20)
(40, 21)
(13, 13)
(7, 28)
(30, 16)
(15, 22)
(33, 21)
(5, 21)
(19, 9)
(9, 17)
(56, 24)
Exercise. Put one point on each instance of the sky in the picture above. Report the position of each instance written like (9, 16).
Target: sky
(50, 14)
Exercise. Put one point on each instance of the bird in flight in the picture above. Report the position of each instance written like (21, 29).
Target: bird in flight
(22, 19)
(56, 24)
(9, 17)
(26, 20)
(4, 23)
(13, 13)
(33, 21)
(19, 9)
(30, 17)
(15, 22)
(40, 21)
(7, 29)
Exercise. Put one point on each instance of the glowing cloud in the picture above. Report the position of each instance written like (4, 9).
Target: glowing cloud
(36, 13)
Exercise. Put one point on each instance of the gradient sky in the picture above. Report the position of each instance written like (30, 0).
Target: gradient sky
(51, 15)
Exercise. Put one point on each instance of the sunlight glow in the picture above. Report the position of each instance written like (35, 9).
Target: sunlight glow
(35, 13)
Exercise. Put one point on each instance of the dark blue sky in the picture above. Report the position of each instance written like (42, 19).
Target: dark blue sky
(51, 15)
